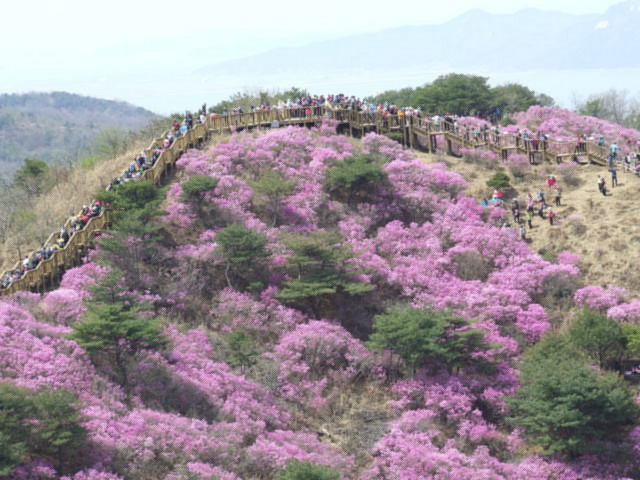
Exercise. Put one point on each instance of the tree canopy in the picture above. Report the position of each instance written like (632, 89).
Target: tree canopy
(567, 407)
(427, 339)
(598, 336)
(462, 94)
(355, 179)
(43, 424)
(319, 267)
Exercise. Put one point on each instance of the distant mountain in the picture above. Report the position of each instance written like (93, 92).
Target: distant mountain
(527, 39)
(49, 126)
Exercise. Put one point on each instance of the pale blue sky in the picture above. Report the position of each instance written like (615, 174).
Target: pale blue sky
(121, 49)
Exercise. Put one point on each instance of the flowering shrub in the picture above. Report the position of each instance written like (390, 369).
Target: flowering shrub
(484, 157)
(92, 474)
(518, 165)
(598, 298)
(568, 173)
(568, 258)
(563, 124)
(201, 471)
(275, 448)
(315, 357)
(626, 312)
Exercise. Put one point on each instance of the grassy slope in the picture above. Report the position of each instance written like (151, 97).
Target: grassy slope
(52, 208)
(610, 244)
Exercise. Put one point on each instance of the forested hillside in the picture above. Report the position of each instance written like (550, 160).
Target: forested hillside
(58, 125)
(298, 305)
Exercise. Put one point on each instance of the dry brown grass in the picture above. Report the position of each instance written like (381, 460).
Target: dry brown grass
(52, 208)
(604, 231)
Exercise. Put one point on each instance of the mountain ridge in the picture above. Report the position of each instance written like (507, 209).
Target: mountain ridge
(53, 125)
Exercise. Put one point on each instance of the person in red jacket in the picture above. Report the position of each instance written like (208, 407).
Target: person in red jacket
(551, 216)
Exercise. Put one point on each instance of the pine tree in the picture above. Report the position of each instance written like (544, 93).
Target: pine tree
(318, 268)
(115, 331)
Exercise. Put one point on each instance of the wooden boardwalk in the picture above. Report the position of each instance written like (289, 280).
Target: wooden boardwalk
(416, 133)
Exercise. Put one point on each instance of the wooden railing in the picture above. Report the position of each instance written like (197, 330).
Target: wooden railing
(46, 274)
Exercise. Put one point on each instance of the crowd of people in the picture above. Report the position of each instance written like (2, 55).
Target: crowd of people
(46, 251)
(141, 163)
(478, 134)
(533, 206)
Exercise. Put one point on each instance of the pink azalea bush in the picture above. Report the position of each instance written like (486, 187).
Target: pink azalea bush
(563, 124)
(626, 312)
(598, 298)
(315, 357)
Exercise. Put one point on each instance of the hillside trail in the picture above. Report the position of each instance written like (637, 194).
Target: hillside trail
(604, 231)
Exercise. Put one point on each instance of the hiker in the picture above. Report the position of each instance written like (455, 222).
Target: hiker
(614, 178)
(523, 233)
(541, 198)
(516, 214)
(529, 202)
(601, 141)
(558, 196)
(530, 218)
(551, 182)
(541, 210)
(551, 216)
(614, 150)
(602, 185)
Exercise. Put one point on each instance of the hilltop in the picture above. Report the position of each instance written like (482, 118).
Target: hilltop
(58, 125)
(334, 301)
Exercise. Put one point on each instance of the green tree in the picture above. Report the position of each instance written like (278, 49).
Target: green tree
(513, 97)
(115, 331)
(567, 407)
(133, 243)
(243, 352)
(455, 93)
(59, 433)
(32, 176)
(195, 189)
(402, 97)
(298, 470)
(319, 267)
(545, 100)
(424, 338)
(499, 180)
(45, 424)
(632, 339)
(355, 179)
(269, 192)
(15, 409)
(245, 253)
(140, 199)
(598, 336)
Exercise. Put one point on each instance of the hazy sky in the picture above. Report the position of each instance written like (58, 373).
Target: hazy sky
(44, 25)
(120, 48)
